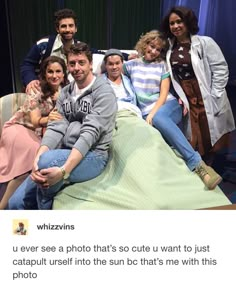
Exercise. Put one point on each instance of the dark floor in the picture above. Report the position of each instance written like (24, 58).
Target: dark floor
(225, 165)
(224, 162)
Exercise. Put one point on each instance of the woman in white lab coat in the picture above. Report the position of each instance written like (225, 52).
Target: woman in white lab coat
(199, 76)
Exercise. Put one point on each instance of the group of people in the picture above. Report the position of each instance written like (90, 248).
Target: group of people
(79, 122)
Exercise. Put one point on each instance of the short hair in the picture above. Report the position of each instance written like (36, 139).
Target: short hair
(187, 15)
(111, 52)
(80, 47)
(145, 39)
(64, 14)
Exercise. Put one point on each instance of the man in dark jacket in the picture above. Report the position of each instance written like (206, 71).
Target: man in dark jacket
(66, 27)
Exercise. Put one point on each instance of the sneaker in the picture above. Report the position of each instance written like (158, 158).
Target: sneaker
(210, 178)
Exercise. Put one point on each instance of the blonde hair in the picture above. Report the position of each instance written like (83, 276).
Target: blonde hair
(145, 40)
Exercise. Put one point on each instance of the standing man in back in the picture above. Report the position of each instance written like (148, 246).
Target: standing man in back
(66, 27)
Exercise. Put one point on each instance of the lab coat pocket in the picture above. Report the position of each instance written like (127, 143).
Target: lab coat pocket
(218, 105)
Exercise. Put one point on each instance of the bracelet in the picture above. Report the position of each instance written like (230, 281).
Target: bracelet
(63, 171)
(65, 175)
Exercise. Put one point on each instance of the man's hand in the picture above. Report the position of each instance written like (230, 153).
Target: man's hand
(40, 179)
(47, 177)
(33, 86)
(36, 174)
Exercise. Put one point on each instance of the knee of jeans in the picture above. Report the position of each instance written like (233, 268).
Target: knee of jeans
(45, 160)
(159, 120)
(15, 204)
(50, 192)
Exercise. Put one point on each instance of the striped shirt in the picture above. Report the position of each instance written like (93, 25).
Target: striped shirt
(146, 79)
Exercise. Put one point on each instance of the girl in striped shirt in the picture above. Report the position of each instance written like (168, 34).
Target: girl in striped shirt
(151, 81)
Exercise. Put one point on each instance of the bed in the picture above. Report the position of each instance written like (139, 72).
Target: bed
(143, 173)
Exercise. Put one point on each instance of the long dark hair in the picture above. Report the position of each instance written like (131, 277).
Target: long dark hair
(187, 15)
(45, 87)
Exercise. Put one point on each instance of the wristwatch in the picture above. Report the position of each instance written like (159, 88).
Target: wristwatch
(65, 175)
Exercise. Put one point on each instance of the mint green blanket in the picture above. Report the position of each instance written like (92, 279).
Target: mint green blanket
(143, 172)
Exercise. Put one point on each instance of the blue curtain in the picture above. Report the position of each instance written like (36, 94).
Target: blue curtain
(215, 20)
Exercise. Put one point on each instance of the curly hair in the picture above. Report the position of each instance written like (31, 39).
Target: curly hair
(187, 15)
(64, 14)
(145, 40)
(45, 87)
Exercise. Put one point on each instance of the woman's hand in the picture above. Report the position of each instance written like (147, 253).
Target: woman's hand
(149, 118)
(185, 109)
(132, 55)
(54, 115)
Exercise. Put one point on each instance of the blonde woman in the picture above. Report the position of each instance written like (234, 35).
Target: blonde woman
(151, 81)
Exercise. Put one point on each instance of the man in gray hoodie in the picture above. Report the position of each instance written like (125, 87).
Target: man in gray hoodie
(74, 148)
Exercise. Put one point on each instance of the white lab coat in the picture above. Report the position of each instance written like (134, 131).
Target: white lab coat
(211, 71)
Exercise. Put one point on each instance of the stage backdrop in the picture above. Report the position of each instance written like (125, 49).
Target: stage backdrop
(215, 20)
(101, 23)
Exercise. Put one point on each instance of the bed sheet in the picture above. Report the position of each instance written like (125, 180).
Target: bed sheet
(143, 173)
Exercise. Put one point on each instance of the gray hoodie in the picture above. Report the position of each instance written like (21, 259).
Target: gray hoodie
(88, 122)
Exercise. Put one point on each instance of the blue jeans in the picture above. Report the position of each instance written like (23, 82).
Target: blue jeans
(30, 196)
(166, 120)
(25, 197)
